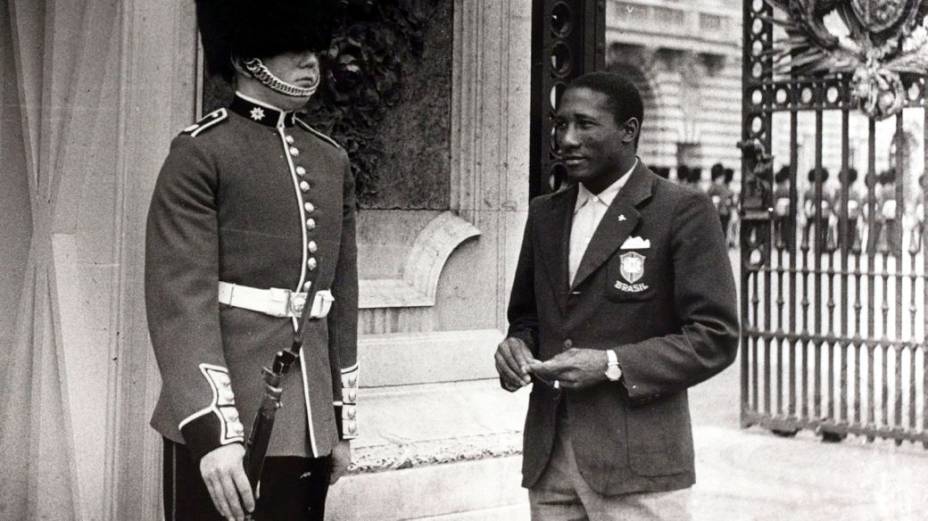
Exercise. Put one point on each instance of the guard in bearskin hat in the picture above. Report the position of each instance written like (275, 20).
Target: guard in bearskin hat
(250, 249)
(722, 196)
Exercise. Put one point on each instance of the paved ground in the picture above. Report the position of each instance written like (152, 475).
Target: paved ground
(752, 475)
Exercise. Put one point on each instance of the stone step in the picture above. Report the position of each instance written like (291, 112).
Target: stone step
(433, 450)
(509, 513)
(485, 489)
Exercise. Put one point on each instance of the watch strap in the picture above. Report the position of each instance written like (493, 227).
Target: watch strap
(611, 357)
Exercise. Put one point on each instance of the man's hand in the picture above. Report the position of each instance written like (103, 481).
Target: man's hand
(574, 369)
(513, 358)
(225, 479)
(341, 458)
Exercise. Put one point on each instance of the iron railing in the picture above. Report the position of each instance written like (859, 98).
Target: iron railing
(833, 287)
(568, 40)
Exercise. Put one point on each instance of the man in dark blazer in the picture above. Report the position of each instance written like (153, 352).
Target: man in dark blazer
(252, 220)
(623, 298)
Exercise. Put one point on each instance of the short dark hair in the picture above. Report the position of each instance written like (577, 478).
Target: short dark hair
(624, 98)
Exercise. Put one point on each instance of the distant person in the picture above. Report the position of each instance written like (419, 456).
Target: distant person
(695, 178)
(855, 200)
(823, 232)
(721, 195)
(734, 222)
(884, 238)
(915, 235)
(781, 208)
(623, 298)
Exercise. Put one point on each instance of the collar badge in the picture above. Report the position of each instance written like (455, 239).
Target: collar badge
(257, 114)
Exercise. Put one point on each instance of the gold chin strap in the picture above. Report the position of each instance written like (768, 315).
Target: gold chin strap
(256, 68)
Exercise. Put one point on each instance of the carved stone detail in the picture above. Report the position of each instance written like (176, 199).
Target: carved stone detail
(419, 283)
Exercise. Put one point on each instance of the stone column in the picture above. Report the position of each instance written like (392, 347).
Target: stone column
(158, 81)
(439, 436)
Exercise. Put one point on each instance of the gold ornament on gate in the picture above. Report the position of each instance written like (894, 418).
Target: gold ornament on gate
(876, 41)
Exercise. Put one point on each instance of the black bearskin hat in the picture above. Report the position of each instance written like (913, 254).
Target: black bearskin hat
(729, 175)
(848, 176)
(262, 28)
(782, 174)
(822, 174)
(696, 174)
(888, 176)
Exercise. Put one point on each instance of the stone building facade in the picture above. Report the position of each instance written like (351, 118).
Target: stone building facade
(685, 57)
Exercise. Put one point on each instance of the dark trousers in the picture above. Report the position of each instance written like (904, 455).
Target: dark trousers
(292, 488)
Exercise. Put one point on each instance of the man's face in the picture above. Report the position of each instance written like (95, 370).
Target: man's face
(296, 68)
(591, 143)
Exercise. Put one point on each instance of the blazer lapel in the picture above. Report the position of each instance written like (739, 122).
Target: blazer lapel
(618, 222)
(555, 220)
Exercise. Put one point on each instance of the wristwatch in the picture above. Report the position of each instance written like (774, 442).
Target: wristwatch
(613, 371)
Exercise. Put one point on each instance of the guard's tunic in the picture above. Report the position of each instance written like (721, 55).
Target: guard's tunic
(256, 198)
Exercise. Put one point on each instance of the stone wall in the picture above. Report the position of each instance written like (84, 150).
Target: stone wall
(416, 132)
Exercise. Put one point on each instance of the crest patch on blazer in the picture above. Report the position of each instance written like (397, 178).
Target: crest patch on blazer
(631, 268)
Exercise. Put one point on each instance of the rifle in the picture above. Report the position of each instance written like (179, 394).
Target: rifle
(260, 436)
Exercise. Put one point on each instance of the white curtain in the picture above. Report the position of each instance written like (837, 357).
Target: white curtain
(92, 91)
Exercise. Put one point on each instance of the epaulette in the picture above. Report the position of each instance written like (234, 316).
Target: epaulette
(206, 122)
(318, 134)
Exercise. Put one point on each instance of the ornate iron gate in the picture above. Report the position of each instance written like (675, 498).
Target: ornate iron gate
(568, 40)
(833, 293)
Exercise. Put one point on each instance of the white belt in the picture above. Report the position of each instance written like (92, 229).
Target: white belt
(275, 302)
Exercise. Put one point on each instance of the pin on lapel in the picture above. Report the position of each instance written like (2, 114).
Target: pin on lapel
(622, 217)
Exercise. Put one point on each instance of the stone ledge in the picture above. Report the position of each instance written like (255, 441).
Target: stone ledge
(487, 490)
(418, 358)
(414, 426)
(436, 452)
(517, 512)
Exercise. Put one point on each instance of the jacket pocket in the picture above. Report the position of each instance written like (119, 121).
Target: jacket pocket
(660, 439)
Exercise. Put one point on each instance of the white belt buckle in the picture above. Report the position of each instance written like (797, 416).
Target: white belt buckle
(296, 303)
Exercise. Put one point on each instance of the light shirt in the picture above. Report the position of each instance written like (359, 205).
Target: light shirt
(588, 212)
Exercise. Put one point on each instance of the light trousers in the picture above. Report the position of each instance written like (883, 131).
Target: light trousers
(562, 494)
